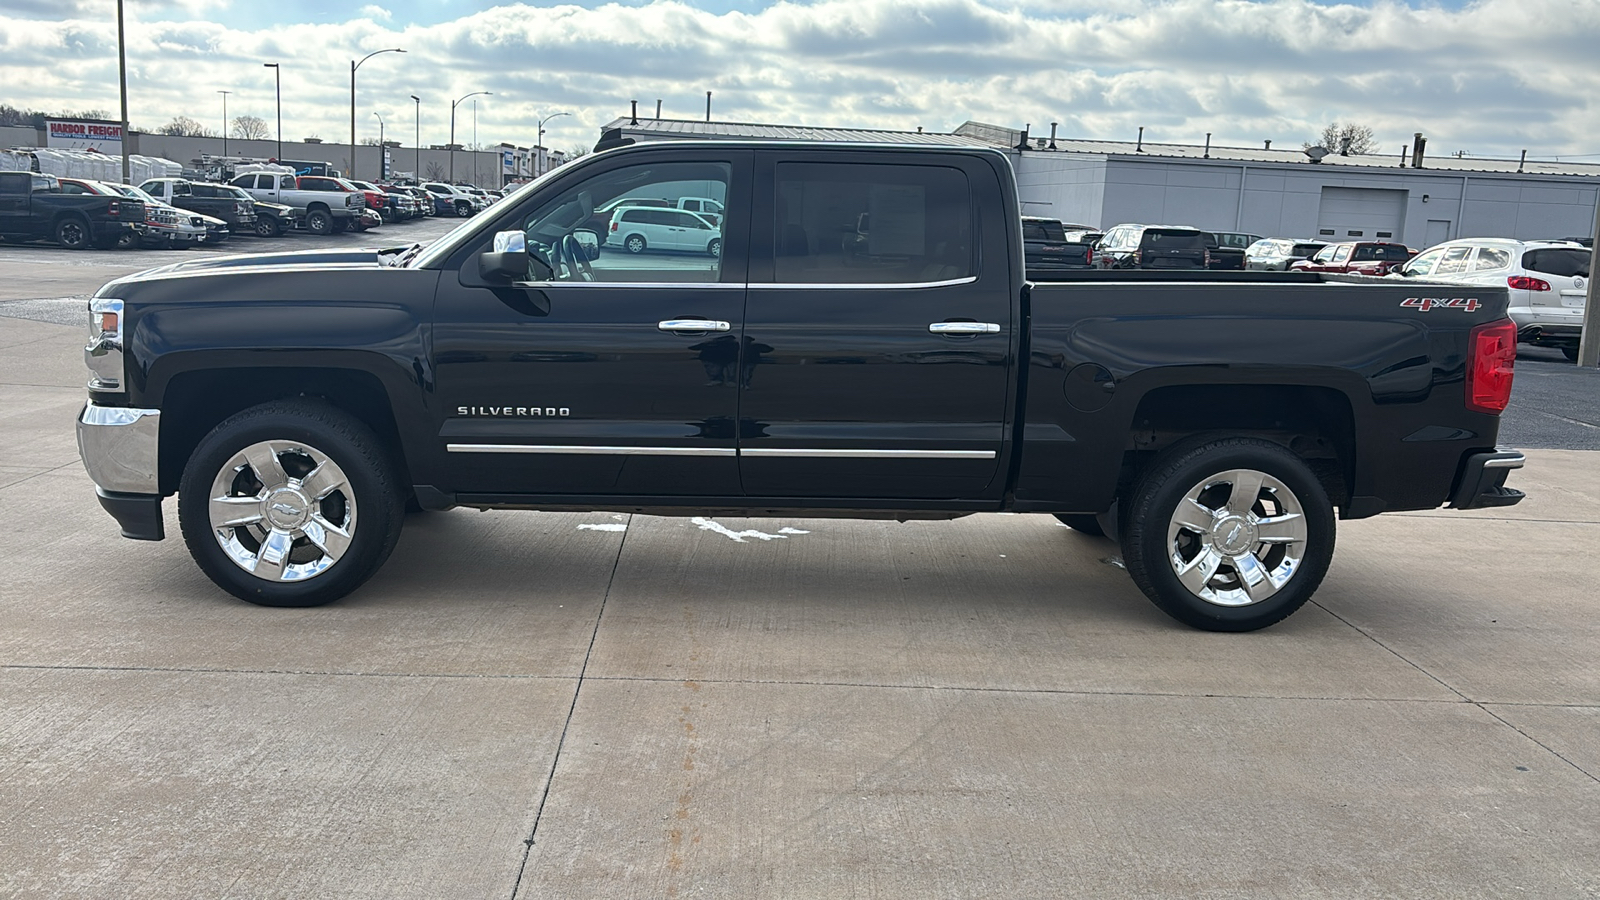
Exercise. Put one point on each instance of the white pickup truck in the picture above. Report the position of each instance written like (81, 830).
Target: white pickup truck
(324, 205)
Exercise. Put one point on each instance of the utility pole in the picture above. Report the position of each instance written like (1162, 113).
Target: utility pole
(122, 76)
(383, 170)
(418, 173)
(224, 121)
(474, 143)
(277, 75)
(1589, 344)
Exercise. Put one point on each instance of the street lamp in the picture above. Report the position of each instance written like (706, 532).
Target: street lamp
(541, 149)
(224, 121)
(277, 75)
(418, 174)
(453, 105)
(382, 169)
(122, 77)
(354, 65)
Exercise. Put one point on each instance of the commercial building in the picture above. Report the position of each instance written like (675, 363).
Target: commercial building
(1419, 201)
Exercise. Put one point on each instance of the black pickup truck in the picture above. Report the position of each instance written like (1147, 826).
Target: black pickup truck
(33, 206)
(297, 403)
(218, 201)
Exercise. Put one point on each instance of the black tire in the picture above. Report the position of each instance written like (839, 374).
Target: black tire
(1155, 544)
(73, 233)
(127, 240)
(635, 243)
(715, 247)
(268, 226)
(319, 221)
(301, 430)
(463, 209)
(1571, 353)
(1085, 523)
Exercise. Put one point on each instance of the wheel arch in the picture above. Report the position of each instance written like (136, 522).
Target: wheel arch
(195, 401)
(1315, 422)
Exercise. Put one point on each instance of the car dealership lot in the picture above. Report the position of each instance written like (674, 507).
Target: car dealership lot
(563, 705)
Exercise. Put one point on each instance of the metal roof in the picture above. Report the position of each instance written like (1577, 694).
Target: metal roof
(695, 130)
(1001, 136)
(980, 134)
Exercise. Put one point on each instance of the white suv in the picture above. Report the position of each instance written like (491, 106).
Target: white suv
(1547, 281)
(640, 228)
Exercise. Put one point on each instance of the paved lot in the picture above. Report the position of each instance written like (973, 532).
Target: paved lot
(592, 706)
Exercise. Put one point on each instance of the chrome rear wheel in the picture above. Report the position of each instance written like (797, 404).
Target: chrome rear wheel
(1237, 537)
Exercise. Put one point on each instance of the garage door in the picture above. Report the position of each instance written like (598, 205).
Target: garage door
(1360, 213)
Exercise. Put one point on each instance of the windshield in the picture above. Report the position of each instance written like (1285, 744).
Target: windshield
(1564, 262)
(128, 190)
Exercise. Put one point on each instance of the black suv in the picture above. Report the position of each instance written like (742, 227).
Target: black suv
(1153, 247)
(1047, 248)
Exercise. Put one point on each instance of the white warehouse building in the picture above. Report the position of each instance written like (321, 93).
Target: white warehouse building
(1271, 192)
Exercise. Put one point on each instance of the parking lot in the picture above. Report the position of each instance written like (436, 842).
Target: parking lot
(538, 705)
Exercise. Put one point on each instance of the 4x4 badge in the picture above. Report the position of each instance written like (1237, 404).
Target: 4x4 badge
(1423, 304)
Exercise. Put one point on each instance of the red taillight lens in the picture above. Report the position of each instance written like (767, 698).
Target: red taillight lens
(613, 224)
(114, 208)
(1088, 256)
(1494, 350)
(1527, 283)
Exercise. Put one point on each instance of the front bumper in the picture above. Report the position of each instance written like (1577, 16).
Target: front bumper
(120, 448)
(1483, 481)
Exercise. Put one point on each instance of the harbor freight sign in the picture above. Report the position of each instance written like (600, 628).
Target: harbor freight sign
(84, 134)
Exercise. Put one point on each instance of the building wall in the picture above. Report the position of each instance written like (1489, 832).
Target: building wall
(1280, 200)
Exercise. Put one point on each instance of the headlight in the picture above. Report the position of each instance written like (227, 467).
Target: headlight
(103, 353)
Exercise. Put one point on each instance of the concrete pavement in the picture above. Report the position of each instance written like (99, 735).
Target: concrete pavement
(544, 705)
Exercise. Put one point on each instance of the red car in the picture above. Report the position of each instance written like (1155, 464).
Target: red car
(1356, 258)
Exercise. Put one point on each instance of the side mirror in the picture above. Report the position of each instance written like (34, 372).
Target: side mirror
(589, 241)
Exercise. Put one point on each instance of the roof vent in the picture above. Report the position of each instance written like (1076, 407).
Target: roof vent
(1316, 153)
(1418, 144)
(1052, 135)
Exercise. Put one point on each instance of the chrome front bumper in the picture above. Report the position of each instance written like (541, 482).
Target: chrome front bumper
(120, 448)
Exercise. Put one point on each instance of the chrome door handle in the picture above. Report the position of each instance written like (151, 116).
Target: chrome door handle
(692, 326)
(964, 328)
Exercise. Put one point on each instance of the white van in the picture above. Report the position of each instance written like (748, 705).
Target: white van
(640, 228)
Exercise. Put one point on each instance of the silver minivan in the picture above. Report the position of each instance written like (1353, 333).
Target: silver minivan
(640, 228)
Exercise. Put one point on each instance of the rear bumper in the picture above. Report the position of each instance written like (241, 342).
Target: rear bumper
(1550, 333)
(1483, 480)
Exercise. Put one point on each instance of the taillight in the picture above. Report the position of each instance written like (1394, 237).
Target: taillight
(1494, 351)
(1088, 255)
(1138, 257)
(613, 224)
(1527, 283)
(114, 208)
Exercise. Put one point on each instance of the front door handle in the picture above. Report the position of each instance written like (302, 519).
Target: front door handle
(964, 328)
(692, 326)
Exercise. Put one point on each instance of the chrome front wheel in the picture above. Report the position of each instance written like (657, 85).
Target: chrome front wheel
(282, 511)
(291, 503)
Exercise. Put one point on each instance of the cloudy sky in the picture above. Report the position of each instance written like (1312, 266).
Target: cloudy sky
(1490, 77)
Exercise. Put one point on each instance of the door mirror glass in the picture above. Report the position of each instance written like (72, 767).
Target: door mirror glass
(589, 241)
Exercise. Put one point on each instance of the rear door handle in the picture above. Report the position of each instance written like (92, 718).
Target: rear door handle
(964, 328)
(692, 326)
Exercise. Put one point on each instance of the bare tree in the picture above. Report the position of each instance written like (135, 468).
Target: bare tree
(435, 171)
(183, 126)
(1334, 139)
(576, 150)
(251, 128)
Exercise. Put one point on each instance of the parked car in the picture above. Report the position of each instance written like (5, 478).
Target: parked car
(33, 206)
(1152, 247)
(924, 380)
(188, 229)
(1277, 254)
(401, 205)
(1228, 248)
(424, 200)
(1046, 246)
(1356, 258)
(451, 200)
(158, 220)
(208, 199)
(640, 228)
(272, 219)
(1546, 279)
(320, 202)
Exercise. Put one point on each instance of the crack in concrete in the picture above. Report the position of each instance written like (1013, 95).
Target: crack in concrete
(1464, 698)
(555, 761)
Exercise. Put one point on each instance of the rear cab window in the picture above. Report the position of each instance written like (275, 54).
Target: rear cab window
(1172, 239)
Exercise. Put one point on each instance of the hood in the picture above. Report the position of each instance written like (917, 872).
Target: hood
(343, 259)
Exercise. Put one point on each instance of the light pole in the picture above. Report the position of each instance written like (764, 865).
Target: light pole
(354, 65)
(540, 148)
(382, 169)
(277, 75)
(418, 173)
(224, 121)
(122, 76)
(453, 105)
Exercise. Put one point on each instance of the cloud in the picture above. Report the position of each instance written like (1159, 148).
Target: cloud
(1243, 70)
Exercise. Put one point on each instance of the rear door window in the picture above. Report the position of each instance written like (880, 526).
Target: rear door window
(853, 223)
(1454, 261)
(1564, 262)
(1491, 258)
